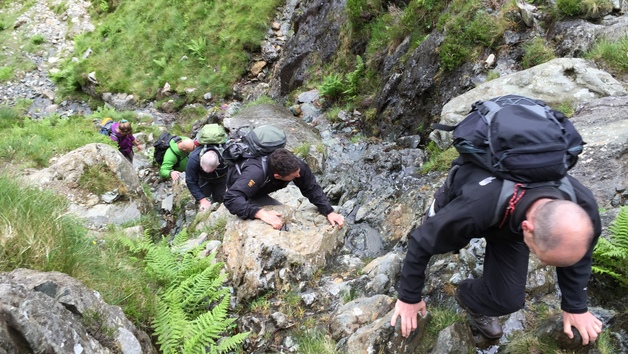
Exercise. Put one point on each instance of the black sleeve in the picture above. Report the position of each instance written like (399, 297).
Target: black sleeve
(246, 186)
(312, 190)
(466, 216)
(192, 171)
(450, 229)
(573, 280)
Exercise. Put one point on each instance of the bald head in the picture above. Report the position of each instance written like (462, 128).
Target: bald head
(186, 145)
(559, 232)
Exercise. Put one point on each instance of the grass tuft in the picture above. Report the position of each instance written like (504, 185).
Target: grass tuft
(612, 54)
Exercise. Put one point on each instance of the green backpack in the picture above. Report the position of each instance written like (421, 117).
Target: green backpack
(211, 134)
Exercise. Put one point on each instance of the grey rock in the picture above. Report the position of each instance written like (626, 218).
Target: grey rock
(557, 81)
(42, 312)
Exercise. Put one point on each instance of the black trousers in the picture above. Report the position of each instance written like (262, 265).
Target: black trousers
(214, 188)
(501, 289)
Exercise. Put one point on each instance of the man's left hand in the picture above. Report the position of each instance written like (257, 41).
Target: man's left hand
(335, 218)
(587, 324)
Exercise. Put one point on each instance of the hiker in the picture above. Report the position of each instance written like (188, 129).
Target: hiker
(122, 133)
(509, 185)
(206, 171)
(544, 221)
(206, 176)
(250, 184)
(175, 158)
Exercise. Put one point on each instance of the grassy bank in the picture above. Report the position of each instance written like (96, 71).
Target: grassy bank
(143, 44)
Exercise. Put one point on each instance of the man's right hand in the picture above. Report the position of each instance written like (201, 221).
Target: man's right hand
(270, 217)
(175, 175)
(408, 313)
(205, 204)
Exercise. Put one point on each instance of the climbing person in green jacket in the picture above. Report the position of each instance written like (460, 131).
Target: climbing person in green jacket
(176, 158)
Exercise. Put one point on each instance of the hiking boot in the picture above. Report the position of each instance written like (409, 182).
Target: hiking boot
(487, 325)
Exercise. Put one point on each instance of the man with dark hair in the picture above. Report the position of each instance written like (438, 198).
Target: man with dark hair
(249, 186)
(544, 221)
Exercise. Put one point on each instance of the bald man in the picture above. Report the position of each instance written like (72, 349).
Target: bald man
(544, 221)
(206, 176)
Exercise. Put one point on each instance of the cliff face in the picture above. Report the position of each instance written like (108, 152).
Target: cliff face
(414, 84)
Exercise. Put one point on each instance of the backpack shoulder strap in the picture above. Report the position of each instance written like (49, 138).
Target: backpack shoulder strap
(487, 109)
(512, 192)
(264, 161)
(508, 189)
(444, 127)
(567, 188)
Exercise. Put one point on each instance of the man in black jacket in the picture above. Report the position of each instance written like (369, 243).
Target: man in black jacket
(544, 221)
(206, 176)
(257, 177)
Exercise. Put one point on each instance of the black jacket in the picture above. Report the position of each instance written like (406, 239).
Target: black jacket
(253, 182)
(195, 176)
(468, 215)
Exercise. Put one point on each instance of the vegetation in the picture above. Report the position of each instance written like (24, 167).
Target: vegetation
(332, 86)
(612, 54)
(302, 150)
(192, 314)
(205, 45)
(260, 100)
(6, 73)
(610, 257)
(186, 43)
(531, 343)
(37, 39)
(32, 143)
(567, 108)
(536, 52)
(314, 341)
(587, 8)
(39, 235)
(439, 319)
(98, 179)
(438, 160)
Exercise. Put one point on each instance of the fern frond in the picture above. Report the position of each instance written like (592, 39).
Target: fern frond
(605, 271)
(171, 326)
(229, 344)
(200, 287)
(192, 313)
(137, 245)
(180, 238)
(611, 256)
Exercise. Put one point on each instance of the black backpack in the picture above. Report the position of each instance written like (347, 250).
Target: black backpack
(517, 138)
(161, 145)
(261, 141)
(245, 144)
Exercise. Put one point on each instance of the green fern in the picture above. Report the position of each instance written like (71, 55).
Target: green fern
(192, 313)
(353, 79)
(610, 257)
(332, 86)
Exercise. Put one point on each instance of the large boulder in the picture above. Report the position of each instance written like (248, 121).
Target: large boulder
(124, 201)
(561, 80)
(603, 166)
(297, 132)
(260, 258)
(51, 312)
